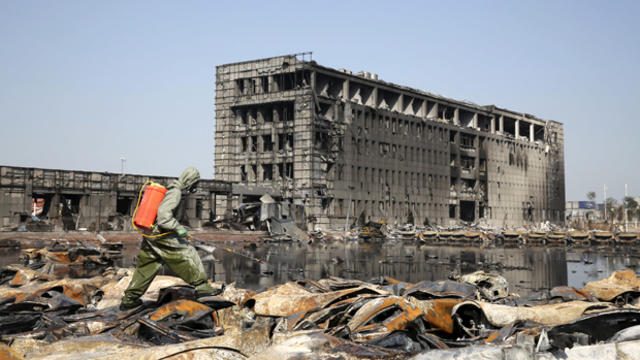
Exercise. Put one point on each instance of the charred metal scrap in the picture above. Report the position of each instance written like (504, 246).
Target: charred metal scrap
(280, 219)
(44, 314)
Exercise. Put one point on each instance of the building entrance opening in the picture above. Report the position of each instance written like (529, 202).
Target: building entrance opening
(123, 205)
(70, 210)
(467, 210)
(41, 204)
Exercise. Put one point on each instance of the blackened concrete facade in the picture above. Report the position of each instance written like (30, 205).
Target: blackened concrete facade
(341, 143)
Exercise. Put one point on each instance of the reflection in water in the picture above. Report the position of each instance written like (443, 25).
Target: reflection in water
(526, 269)
(593, 264)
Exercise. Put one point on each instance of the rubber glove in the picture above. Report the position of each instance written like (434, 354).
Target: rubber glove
(182, 232)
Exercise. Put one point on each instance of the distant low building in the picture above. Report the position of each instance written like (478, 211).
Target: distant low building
(54, 199)
(587, 210)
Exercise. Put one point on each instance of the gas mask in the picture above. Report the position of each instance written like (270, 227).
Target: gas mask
(194, 188)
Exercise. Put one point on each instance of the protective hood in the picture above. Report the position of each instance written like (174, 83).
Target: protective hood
(189, 177)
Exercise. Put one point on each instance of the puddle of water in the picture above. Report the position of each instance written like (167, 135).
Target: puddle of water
(526, 269)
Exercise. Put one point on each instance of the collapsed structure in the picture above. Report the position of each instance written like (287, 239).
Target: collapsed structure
(344, 144)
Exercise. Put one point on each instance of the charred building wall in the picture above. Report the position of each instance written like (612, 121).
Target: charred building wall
(67, 200)
(340, 144)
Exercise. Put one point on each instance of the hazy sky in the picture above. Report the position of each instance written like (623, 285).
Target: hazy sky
(85, 82)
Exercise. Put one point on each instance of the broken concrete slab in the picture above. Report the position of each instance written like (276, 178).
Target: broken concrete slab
(285, 229)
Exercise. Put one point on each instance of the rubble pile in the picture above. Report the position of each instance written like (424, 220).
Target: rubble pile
(48, 314)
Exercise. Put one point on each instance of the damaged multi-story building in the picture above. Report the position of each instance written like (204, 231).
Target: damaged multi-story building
(341, 144)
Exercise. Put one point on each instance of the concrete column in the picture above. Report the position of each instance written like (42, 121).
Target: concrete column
(374, 99)
(434, 111)
(457, 142)
(456, 118)
(493, 125)
(229, 203)
(474, 121)
(517, 130)
(423, 109)
(345, 90)
(347, 113)
(531, 135)
(212, 206)
(190, 211)
(476, 163)
(54, 206)
(246, 85)
(501, 124)
(28, 194)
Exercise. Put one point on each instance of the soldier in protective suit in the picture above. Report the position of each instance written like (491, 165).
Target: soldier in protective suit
(172, 249)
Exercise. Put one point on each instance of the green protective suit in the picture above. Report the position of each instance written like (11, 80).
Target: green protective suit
(176, 252)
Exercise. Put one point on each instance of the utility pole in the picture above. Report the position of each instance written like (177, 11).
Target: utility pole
(122, 161)
(604, 203)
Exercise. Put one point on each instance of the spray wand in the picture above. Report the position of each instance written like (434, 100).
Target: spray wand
(198, 244)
